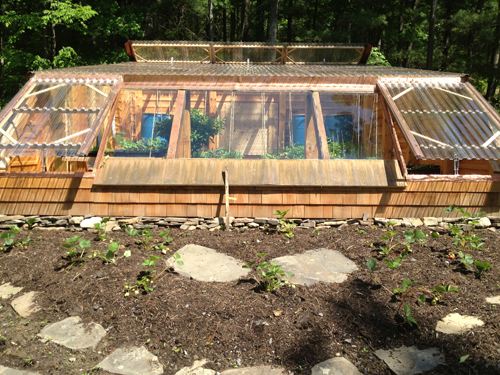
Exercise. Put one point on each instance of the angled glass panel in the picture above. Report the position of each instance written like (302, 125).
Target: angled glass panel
(446, 120)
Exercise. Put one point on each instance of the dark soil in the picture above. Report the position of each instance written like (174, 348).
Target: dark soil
(231, 324)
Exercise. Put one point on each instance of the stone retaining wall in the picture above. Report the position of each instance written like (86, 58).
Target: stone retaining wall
(79, 223)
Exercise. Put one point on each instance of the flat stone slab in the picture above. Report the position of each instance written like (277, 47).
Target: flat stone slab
(335, 366)
(8, 290)
(205, 264)
(196, 369)
(256, 370)
(493, 300)
(314, 266)
(410, 360)
(455, 324)
(132, 361)
(12, 371)
(25, 304)
(90, 222)
(73, 334)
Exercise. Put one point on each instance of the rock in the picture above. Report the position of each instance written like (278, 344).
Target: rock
(61, 222)
(244, 220)
(205, 264)
(273, 222)
(410, 360)
(253, 225)
(75, 220)
(335, 223)
(130, 221)
(493, 300)
(184, 226)
(196, 369)
(8, 290)
(256, 370)
(483, 222)
(412, 222)
(132, 361)
(431, 221)
(261, 220)
(50, 228)
(319, 265)
(192, 227)
(17, 218)
(455, 324)
(25, 305)
(90, 222)
(111, 226)
(73, 334)
(388, 222)
(12, 371)
(308, 224)
(335, 366)
(452, 220)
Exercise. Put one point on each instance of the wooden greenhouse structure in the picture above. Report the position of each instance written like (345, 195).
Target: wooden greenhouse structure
(307, 128)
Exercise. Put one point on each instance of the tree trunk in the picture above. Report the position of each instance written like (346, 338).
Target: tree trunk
(431, 34)
(494, 72)
(210, 21)
(273, 21)
(232, 33)
(406, 59)
(224, 24)
(245, 6)
(447, 36)
(289, 22)
(54, 40)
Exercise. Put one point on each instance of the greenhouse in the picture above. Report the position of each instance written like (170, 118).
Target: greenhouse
(197, 129)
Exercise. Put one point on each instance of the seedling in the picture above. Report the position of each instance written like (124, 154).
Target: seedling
(76, 248)
(145, 239)
(101, 229)
(437, 293)
(371, 264)
(151, 261)
(270, 276)
(131, 231)
(285, 226)
(31, 221)
(481, 267)
(166, 239)
(9, 238)
(406, 284)
(110, 254)
(143, 284)
(408, 316)
(395, 262)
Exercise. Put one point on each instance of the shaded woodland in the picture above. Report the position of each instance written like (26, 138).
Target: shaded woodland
(450, 35)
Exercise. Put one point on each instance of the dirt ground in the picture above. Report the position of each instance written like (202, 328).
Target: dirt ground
(232, 324)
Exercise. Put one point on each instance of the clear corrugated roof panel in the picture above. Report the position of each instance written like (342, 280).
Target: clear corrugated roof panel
(447, 119)
(56, 114)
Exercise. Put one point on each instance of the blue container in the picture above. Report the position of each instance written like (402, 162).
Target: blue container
(299, 129)
(151, 121)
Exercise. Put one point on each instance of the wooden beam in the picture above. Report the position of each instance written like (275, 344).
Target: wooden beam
(395, 142)
(77, 134)
(213, 142)
(106, 134)
(46, 90)
(282, 120)
(96, 126)
(405, 129)
(319, 125)
(180, 104)
(311, 142)
(184, 144)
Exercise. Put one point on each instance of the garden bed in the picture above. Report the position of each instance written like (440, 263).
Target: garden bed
(232, 324)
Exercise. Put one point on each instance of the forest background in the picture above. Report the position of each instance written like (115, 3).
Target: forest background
(450, 35)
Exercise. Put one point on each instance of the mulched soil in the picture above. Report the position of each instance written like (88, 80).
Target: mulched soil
(231, 324)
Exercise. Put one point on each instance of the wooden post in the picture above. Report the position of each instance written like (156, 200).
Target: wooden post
(213, 142)
(225, 174)
(319, 125)
(395, 142)
(184, 144)
(176, 124)
(311, 143)
(282, 121)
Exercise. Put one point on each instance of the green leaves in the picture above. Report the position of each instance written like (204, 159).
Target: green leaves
(408, 315)
(415, 236)
(405, 286)
(394, 263)
(150, 261)
(371, 264)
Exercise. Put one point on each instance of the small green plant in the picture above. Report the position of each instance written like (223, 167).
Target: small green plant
(110, 255)
(100, 229)
(466, 260)
(270, 276)
(165, 240)
(408, 315)
(481, 267)
(131, 231)
(285, 226)
(290, 152)
(219, 153)
(31, 221)
(151, 261)
(145, 238)
(395, 262)
(406, 284)
(143, 284)
(371, 264)
(9, 238)
(388, 244)
(76, 249)
(436, 294)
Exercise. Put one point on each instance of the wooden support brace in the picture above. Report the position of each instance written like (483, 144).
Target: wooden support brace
(282, 120)
(395, 142)
(319, 125)
(180, 104)
(405, 129)
(225, 175)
